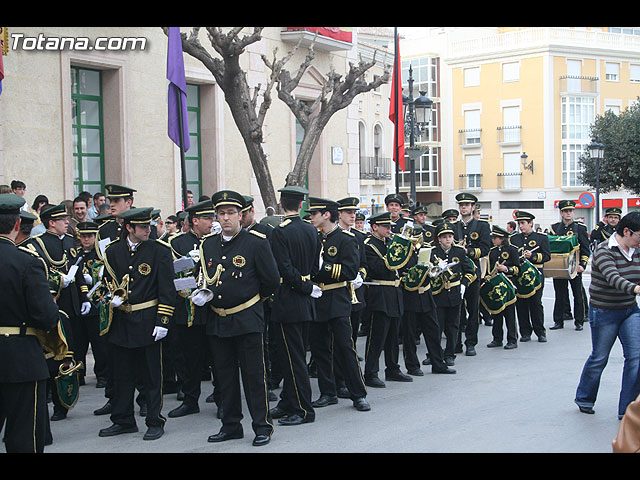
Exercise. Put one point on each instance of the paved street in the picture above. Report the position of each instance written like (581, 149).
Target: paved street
(500, 401)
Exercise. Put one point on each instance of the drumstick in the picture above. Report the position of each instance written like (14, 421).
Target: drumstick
(532, 250)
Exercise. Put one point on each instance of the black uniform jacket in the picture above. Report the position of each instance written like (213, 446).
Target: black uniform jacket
(360, 292)
(294, 243)
(601, 233)
(478, 238)
(25, 301)
(60, 254)
(89, 257)
(150, 271)
(243, 273)
(578, 229)
(414, 301)
(540, 241)
(447, 293)
(506, 255)
(382, 298)
(341, 261)
(111, 230)
(186, 312)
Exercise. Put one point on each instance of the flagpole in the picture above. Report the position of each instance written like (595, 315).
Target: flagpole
(183, 164)
(395, 96)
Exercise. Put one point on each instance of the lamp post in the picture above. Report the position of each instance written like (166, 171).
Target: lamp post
(596, 152)
(417, 115)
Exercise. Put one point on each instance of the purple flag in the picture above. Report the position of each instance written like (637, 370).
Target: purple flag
(177, 84)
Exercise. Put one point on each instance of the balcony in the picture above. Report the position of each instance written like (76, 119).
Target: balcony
(575, 84)
(322, 42)
(509, 135)
(510, 182)
(375, 168)
(470, 182)
(469, 138)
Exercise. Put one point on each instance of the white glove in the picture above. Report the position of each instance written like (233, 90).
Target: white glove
(216, 228)
(442, 264)
(201, 296)
(84, 308)
(320, 261)
(194, 255)
(66, 280)
(116, 301)
(462, 289)
(357, 282)
(159, 333)
(87, 278)
(316, 292)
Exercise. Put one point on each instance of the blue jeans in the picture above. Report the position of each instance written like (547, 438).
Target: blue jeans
(606, 326)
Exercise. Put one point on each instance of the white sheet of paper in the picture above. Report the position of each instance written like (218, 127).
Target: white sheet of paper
(72, 271)
(182, 264)
(184, 283)
(103, 244)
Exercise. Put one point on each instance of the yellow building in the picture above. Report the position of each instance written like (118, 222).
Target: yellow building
(534, 91)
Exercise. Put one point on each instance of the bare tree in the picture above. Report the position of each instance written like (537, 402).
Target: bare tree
(335, 95)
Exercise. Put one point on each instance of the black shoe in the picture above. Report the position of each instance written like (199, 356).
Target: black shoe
(101, 383)
(398, 377)
(183, 410)
(106, 409)
(494, 344)
(525, 339)
(510, 346)
(458, 349)
(449, 361)
(488, 323)
(343, 392)
(416, 372)
(448, 370)
(277, 412)
(542, 338)
(261, 439)
(589, 410)
(471, 351)
(324, 400)
(153, 433)
(556, 326)
(58, 415)
(579, 327)
(168, 389)
(209, 399)
(426, 361)
(374, 382)
(361, 404)
(116, 429)
(295, 420)
(223, 436)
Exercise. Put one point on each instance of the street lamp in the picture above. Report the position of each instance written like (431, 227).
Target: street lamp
(525, 165)
(417, 115)
(596, 152)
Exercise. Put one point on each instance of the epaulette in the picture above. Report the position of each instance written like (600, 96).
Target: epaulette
(162, 242)
(174, 235)
(349, 233)
(209, 235)
(285, 223)
(29, 249)
(258, 234)
(358, 230)
(483, 220)
(366, 240)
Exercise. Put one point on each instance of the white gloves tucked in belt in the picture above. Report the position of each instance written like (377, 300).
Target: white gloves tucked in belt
(159, 333)
(357, 282)
(201, 296)
(84, 308)
(462, 289)
(316, 292)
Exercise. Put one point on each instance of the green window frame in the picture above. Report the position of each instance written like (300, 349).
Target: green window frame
(193, 157)
(88, 130)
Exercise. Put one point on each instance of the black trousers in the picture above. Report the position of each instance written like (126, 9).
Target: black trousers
(561, 288)
(295, 397)
(192, 344)
(86, 330)
(356, 320)
(332, 340)
(23, 407)
(131, 366)
(531, 314)
(469, 316)
(383, 336)
(449, 322)
(173, 362)
(232, 356)
(427, 322)
(508, 317)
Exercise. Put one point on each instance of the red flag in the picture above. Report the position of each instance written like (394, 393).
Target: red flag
(395, 108)
(1, 69)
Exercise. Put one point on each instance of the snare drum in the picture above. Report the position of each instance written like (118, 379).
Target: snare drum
(562, 265)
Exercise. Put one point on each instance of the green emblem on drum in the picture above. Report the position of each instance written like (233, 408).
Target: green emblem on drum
(528, 281)
(416, 277)
(68, 384)
(398, 252)
(497, 293)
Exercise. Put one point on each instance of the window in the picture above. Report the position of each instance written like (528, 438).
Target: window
(511, 72)
(612, 72)
(474, 172)
(577, 114)
(625, 30)
(472, 126)
(634, 71)
(427, 170)
(193, 156)
(574, 70)
(512, 171)
(511, 120)
(521, 205)
(425, 76)
(472, 77)
(87, 126)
